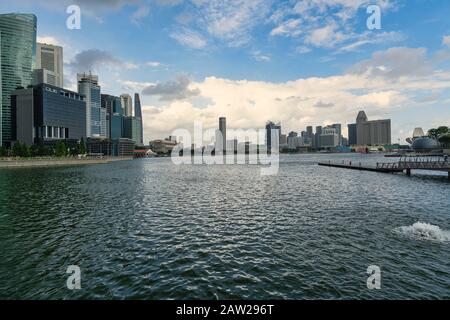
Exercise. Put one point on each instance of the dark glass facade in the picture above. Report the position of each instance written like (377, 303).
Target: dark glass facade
(57, 113)
(114, 116)
(18, 53)
(352, 134)
(138, 115)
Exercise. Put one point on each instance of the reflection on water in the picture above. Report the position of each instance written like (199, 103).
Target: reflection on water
(147, 229)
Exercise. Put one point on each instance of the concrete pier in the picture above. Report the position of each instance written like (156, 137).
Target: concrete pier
(394, 167)
(358, 166)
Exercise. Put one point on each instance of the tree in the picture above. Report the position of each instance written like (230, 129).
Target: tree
(20, 150)
(436, 133)
(60, 149)
(41, 149)
(3, 151)
(82, 147)
(445, 140)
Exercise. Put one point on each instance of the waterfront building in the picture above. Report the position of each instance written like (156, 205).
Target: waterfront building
(232, 145)
(344, 142)
(223, 131)
(110, 147)
(95, 114)
(352, 134)
(138, 115)
(163, 146)
(283, 141)
(310, 133)
(114, 116)
(338, 128)
(49, 65)
(329, 138)
(127, 104)
(48, 113)
(317, 137)
(373, 133)
(294, 141)
(131, 129)
(18, 54)
(269, 127)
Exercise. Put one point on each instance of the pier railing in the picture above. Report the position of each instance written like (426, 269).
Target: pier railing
(416, 163)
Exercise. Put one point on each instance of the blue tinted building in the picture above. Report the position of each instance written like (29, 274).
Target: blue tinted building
(96, 126)
(17, 60)
(48, 113)
(114, 116)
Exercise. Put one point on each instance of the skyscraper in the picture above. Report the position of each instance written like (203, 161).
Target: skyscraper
(95, 116)
(376, 132)
(223, 130)
(17, 55)
(352, 134)
(269, 127)
(317, 136)
(114, 116)
(131, 129)
(138, 115)
(49, 65)
(329, 137)
(338, 128)
(127, 104)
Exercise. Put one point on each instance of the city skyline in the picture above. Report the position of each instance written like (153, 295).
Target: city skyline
(263, 76)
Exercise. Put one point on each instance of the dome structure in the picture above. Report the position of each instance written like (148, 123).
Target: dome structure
(425, 144)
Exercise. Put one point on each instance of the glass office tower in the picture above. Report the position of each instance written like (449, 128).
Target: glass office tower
(138, 115)
(95, 115)
(17, 61)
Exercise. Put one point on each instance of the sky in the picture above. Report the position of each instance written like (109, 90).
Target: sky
(297, 62)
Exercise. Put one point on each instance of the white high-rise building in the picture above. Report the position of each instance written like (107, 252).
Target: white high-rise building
(49, 65)
(127, 104)
(95, 114)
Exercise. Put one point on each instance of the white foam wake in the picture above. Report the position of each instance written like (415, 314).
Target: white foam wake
(425, 231)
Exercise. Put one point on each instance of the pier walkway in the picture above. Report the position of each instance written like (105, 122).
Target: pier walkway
(405, 164)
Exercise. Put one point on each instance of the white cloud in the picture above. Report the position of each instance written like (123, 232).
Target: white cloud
(49, 40)
(140, 13)
(308, 101)
(258, 56)
(178, 89)
(303, 49)
(93, 59)
(373, 38)
(328, 23)
(169, 2)
(189, 38)
(446, 41)
(395, 63)
(232, 21)
(153, 64)
(290, 28)
(326, 36)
